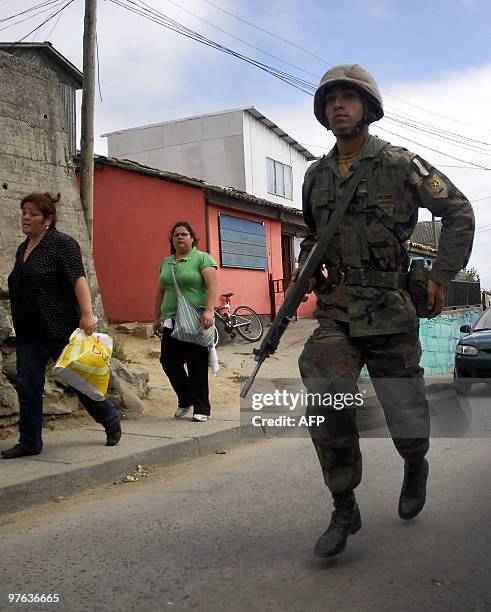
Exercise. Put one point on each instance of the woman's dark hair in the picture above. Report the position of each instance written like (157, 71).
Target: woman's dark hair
(45, 203)
(190, 230)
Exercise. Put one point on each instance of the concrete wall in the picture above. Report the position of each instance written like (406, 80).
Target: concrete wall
(209, 147)
(261, 142)
(34, 156)
(439, 337)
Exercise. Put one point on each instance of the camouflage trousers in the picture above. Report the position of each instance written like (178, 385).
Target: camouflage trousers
(331, 362)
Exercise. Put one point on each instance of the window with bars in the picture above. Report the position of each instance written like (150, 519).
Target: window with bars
(280, 178)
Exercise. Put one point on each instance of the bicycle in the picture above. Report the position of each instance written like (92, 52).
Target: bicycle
(242, 320)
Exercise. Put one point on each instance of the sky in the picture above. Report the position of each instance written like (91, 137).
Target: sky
(432, 61)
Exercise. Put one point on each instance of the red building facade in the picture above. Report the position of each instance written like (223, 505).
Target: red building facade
(134, 209)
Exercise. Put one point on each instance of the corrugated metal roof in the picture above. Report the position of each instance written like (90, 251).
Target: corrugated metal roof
(423, 233)
(132, 166)
(21, 49)
(277, 130)
(245, 109)
(414, 246)
(420, 230)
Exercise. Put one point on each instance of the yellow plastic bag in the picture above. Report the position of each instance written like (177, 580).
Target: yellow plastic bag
(84, 364)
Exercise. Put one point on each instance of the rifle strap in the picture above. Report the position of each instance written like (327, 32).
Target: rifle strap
(327, 231)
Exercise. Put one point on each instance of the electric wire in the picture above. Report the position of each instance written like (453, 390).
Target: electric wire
(36, 6)
(285, 40)
(98, 66)
(295, 82)
(434, 134)
(54, 27)
(161, 19)
(404, 117)
(244, 42)
(422, 123)
(253, 25)
(45, 21)
(305, 85)
(45, 10)
(466, 161)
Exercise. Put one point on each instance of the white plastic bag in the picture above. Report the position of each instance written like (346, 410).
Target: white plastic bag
(213, 360)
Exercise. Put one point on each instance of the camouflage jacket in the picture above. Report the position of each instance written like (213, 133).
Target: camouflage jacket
(372, 234)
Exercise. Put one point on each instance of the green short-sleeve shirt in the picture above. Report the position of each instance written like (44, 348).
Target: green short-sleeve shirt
(189, 279)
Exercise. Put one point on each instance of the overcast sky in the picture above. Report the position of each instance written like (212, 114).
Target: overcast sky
(432, 61)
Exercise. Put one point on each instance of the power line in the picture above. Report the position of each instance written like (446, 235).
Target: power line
(462, 141)
(45, 10)
(179, 28)
(56, 23)
(309, 144)
(300, 84)
(422, 123)
(45, 21)
(330, 65)
(239, 39)
(98, 66)
(414, 124)
(36, 6)
(435, 150)
(253, 25)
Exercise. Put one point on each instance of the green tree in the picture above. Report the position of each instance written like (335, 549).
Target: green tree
(468, 274)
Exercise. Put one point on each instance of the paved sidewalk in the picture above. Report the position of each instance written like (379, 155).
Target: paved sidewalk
(77, 459)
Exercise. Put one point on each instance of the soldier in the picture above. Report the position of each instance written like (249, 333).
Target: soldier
(365, 312)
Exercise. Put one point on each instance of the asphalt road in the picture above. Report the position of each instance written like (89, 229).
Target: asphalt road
(236, 532)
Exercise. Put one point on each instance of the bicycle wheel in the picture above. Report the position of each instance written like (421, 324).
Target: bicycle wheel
(216, 338)
(247, 323)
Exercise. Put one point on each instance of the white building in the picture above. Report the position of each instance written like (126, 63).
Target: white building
(238, 148)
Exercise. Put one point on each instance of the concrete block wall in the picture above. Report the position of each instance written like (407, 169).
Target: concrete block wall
(34, 156)
(439, 337)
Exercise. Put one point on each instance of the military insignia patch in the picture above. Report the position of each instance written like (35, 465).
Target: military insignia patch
(438, 186)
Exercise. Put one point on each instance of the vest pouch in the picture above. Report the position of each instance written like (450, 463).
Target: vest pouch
(418, 287)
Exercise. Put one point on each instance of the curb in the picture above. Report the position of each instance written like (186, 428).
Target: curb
(16, 497)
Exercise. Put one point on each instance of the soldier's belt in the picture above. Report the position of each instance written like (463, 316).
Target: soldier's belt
(367, 278)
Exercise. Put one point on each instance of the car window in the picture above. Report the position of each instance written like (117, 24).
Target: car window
(484, 322)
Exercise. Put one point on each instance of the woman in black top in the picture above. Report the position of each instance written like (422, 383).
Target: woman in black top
(50, 297)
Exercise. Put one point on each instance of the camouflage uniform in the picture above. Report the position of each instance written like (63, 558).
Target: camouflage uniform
(366, 320)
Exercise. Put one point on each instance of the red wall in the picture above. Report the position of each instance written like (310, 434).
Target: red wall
(133, 214)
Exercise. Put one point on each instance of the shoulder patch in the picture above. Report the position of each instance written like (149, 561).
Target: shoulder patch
(437, 185)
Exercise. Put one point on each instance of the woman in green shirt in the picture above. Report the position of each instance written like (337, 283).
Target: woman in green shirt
(196, 275)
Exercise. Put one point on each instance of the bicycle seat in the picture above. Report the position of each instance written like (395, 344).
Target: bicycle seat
(226, 295)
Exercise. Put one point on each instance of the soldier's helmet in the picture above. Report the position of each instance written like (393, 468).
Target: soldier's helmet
(350, 75)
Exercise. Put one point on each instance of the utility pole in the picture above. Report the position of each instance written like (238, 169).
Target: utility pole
(88, 95)
(433, 227)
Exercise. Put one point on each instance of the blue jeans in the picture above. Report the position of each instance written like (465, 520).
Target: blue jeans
(32, 357)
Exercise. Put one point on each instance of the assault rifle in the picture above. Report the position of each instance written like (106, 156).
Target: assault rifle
(310, 269)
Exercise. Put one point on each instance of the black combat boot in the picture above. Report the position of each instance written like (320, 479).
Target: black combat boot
(113, 434)
(413, 493)
(345, 521)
